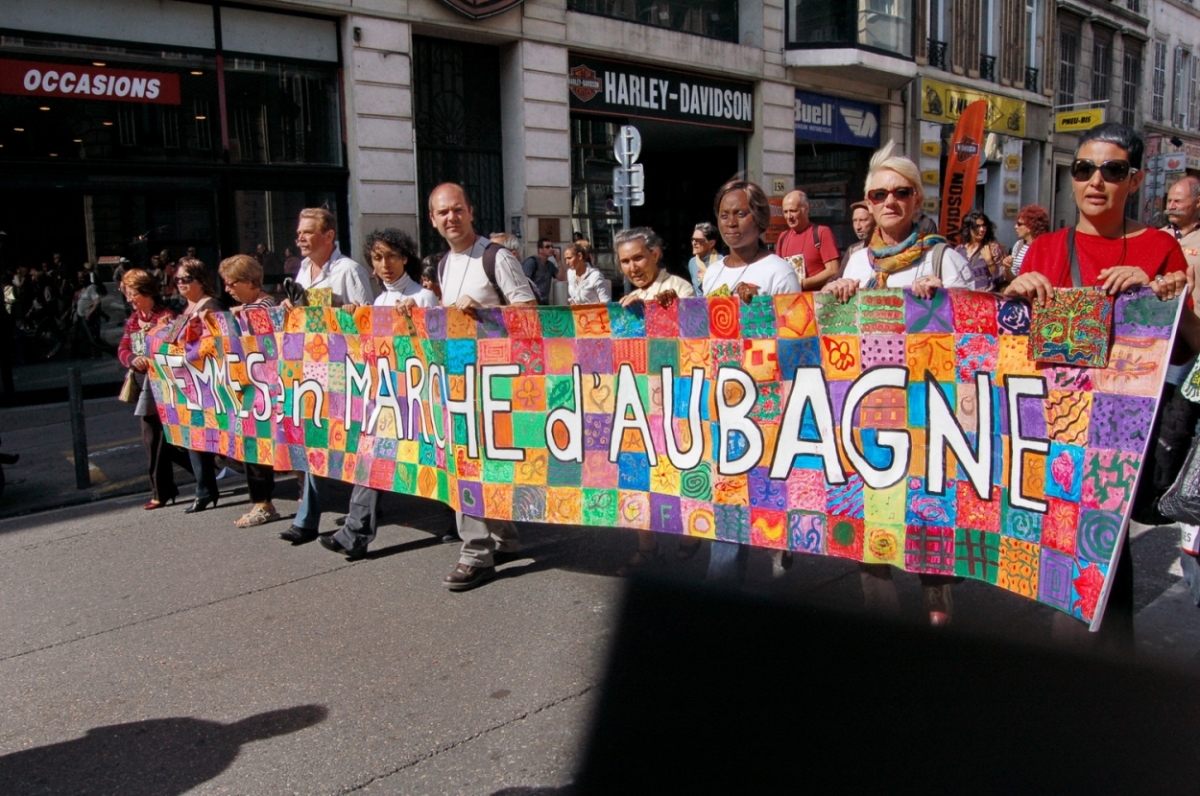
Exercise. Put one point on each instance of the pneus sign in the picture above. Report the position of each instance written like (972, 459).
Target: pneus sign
(41, 79)
(627, 90)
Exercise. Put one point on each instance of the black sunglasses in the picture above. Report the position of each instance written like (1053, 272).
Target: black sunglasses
(880, 195)
(1110, 170)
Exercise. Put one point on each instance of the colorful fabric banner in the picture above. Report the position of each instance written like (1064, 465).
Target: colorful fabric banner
(890, 429)
(962, 169)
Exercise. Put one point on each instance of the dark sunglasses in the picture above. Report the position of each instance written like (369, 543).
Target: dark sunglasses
(699, 241)
(880, 195)
(1110, 170)
(184, 280)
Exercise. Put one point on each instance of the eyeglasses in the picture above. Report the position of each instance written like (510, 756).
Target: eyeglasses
(184, 280)
(1110, 170)
(699, 241)
(880, 195)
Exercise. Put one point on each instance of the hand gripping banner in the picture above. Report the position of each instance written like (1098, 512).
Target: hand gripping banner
(925, 434)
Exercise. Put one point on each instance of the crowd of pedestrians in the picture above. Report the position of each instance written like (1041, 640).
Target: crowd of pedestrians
(897, 247)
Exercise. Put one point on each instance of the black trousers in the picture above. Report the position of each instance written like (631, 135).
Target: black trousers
(261, 480)
(162, 455)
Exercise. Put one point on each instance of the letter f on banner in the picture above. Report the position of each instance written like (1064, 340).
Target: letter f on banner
(962, 168)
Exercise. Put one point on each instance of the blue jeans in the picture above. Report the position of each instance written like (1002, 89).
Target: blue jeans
(727, 563)
(308, 515)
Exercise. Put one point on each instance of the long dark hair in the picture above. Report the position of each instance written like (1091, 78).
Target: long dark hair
(968, 226)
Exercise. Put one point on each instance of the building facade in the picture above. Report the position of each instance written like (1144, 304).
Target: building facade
(1170, 106)
(365, 105)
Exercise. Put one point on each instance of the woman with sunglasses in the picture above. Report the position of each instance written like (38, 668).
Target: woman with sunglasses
(195, 283)
(1109, 251)
(1032, 222)
(979, 247)
(704, 252)
(899, 254)
(243, 276)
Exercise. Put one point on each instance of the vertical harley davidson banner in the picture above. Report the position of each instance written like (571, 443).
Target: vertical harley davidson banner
(918, 433)
(962, 169)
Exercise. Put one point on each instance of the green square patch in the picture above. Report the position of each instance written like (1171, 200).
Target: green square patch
(353, 435)
(529, 430)
(443, 486)
(663, 353)
(316, 437)
(406, 478)
(460, 430)
(976, 554)
(495, 472)
(560, 392)
(600, 507)
(564, 473)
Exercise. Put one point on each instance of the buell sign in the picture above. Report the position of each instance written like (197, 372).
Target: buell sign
(641, 92)
(479, 9)
(39, 79)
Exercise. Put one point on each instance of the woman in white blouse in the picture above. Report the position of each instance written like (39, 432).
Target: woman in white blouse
(585, 283)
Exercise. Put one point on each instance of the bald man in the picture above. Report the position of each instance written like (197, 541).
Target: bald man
(1183, 212)
(810, 248)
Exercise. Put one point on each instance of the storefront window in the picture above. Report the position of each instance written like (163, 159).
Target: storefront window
(266, 226)
(870, 24)
(593, 213)
(282, 113)
(167, 111)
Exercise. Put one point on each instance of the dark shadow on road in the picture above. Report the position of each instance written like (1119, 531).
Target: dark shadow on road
(565, 790)
(157, 757)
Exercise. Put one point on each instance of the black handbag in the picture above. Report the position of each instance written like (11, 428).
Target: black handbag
(1181, 502)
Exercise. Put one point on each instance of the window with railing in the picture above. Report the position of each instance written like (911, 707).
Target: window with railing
(1101, 65)
(714, 19)
(1158, 88)
(883, 25)
(1068, 60)
(1131, 83)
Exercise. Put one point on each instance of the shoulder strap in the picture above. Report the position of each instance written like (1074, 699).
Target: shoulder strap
(816, 238)
(489, 269)
(442, 268)
(1076, 279)
(939, 250)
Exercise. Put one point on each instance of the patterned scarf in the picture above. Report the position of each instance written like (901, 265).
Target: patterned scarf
(887, 260)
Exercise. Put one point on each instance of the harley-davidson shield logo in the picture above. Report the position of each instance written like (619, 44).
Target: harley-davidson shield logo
(479, 9)
(966, 149)
(583, 83)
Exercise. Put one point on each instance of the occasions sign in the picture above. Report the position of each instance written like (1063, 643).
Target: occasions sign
(635, 91)
(40, 79)
(888, 430)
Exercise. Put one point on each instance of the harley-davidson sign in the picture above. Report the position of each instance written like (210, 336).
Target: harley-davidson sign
(479, 9)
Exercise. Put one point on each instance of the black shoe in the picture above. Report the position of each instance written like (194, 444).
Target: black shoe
(200, 504)
(333, 545)
(466, 577)
(298, 535)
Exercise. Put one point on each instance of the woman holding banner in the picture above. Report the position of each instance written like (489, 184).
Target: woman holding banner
(743, 215)
(195, 283)
(899, 254)
(1106, 250)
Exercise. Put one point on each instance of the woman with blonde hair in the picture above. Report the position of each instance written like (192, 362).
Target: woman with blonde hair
(585, 283)
(243, 276)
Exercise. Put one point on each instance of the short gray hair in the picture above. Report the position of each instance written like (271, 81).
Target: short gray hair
(708, 230)
(649, 238)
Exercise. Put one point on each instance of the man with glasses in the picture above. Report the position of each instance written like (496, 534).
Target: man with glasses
(810, 248)
(541, 269)
(704, 252)
(324, 268)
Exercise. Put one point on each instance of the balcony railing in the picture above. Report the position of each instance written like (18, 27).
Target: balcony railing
(883, 25)
(937, 53)
(714, 19)
(987, 67)
(1031, 79)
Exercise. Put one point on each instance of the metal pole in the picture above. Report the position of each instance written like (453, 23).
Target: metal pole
(626, 195)
(83, 475)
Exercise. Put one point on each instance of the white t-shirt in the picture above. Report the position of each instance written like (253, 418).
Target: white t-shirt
(955, 271)
(591, 288)
(664, 281)
(772, 275)
(350, 282)
(403, 288)
(464, 276)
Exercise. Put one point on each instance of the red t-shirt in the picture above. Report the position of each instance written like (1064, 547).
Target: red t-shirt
(1154, 251)
(791, 244)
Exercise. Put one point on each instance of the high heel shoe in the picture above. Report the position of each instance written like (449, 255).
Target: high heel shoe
(157, 504)
(200, 504)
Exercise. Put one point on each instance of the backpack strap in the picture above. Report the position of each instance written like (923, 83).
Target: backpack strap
(1073, 258)
(939, 250)
(816, 238)
(489, 268)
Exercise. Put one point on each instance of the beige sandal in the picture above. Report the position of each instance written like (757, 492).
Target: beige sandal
(257, 516)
